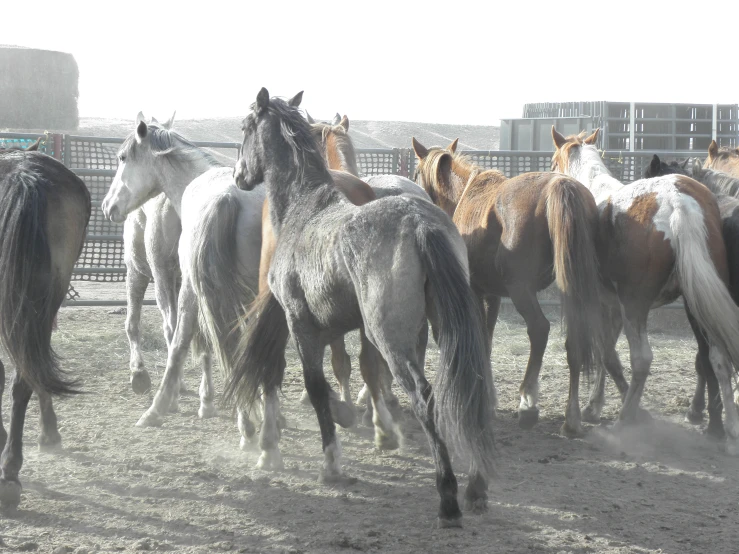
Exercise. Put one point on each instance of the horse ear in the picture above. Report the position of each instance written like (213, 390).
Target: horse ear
(141, 130)
(655, 165)
(140, 117)
(154, 121)
(310, 119)
(262, 101)
(344, 122)
(453, 146)
(713, 149)
(685, 163)
(420, 150)
(168, 124)
(697, 167)
(296, 100)
(592, 139)
(558, 138)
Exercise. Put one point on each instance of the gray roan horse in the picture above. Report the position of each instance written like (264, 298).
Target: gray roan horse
(44, 212)
(150, 237)
(386, 266)
(154, 160)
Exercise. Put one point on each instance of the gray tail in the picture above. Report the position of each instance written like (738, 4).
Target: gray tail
(30, 293)
(223, 296)
(573, 227)
(260, 356)
(464, 392)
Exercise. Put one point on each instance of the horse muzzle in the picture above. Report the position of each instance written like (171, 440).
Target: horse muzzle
(240, 176)
(112, 212)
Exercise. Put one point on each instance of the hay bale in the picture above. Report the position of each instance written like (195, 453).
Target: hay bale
(38, 89)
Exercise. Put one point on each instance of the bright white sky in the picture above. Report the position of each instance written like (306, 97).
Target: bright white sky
(453, 62)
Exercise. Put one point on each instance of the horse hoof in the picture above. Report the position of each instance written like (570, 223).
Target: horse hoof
(591, 415)
(51, 442)
(367, 418)
(334, 478)
(449, 523)
(10, 494)
(694, 417)
(207, 411)
(248, 444)
(140, 381)
(571, 432)
(270, 460)
(386, 442)
(716, 432)
(344, 414)
(732, 446)
(150, 419)
(476, 505)
(528, 418)
(305, 398)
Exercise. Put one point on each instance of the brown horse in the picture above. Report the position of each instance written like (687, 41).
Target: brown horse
(722, 159)
(659, 238)
(44, 211)
(522, 234)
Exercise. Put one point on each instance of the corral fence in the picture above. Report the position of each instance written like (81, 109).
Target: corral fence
(95, 160)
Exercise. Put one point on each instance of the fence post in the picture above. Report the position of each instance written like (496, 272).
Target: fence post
(57, 141)
(403, 163)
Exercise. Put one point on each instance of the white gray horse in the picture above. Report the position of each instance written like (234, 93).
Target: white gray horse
(155, 160)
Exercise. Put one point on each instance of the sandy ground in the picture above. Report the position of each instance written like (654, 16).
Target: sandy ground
(186, 487)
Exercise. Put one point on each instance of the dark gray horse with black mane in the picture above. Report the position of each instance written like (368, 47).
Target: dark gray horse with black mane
(384, 266)
(44, 211)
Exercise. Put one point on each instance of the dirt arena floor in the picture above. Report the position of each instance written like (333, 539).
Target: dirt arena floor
(186, 487)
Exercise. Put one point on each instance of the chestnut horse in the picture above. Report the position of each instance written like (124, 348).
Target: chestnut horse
(522, 234)
(659, 238)
(44, 212)
(723, 159)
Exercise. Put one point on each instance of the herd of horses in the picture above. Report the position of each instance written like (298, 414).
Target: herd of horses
(291, 243)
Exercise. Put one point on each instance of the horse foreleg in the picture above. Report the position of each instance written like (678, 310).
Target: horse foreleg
(342, 408)
(269, 436)
(12, 456)
(640, 353)
(723, 370)
(491, 311)
(187, 320)
(372, 366)
(136, 284)
(207, 389)
(49, 439)
(537, 326)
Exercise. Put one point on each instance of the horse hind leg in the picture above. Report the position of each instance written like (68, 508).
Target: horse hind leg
(640, 351)
(3, 433)
(537, 327)
(11, 459)
(342, 407)
(723, 371)
(136, 284)
(269, 435)
(49, 438)
(372, 366)
(207, 390)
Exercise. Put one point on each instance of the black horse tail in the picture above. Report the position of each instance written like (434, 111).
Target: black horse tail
(573, 226)
(30, 292)
(464, 394)
(259, 360)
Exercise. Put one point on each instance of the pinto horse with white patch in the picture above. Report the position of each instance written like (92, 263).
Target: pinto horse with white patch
(659, 238)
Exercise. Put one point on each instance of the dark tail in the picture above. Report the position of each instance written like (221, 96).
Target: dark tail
(573, 226)
(260, 356)
(464, 391)
(223, 296)
(30, 293)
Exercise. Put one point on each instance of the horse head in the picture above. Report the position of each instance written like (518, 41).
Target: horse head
(723, 159)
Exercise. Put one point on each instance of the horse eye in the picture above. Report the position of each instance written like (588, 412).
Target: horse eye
(122, 158)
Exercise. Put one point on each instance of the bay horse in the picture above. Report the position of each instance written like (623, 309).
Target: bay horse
(150, 237)
(659, 238)
(726, 188)
(722, 159)
(521, 235)
(384, 266)
(44, 212)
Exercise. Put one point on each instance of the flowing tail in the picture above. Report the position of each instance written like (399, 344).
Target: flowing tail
(30, 293)
(703, 289)
(573, 226)
(260, 356)
(464, 392)
(223, 295)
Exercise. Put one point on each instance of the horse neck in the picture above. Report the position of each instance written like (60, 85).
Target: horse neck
(593, 173)
(288, 185)
(176, 175)
(450, 193)
(338, 159)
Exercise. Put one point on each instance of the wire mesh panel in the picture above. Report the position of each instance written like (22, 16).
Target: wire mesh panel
(511, 163)
(22, 140)
(377, 162)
